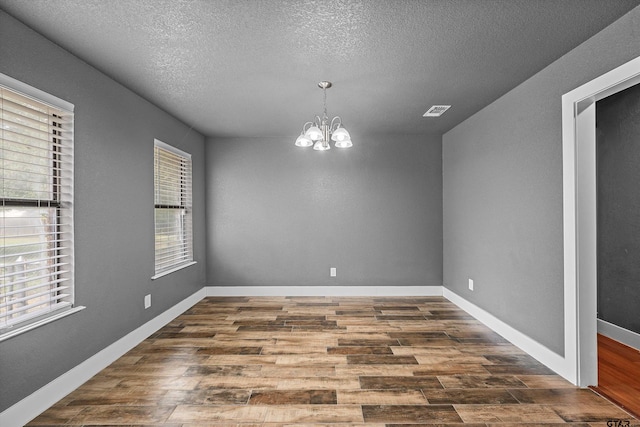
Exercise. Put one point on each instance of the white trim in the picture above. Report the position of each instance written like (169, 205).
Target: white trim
(43, 398)
(538, 351)
(60, 296)
(39, 401)
(50, 318)
(615, 332)
(32, 92)
(579, 217)
(334, 291)
(31, 406)
(171, 148)
(173, 270)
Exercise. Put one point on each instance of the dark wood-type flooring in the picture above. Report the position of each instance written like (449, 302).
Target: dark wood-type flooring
(619, 373)
(328, 361)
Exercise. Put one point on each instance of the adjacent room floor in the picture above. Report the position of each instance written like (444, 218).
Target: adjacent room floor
(338, 361)
(619, 373)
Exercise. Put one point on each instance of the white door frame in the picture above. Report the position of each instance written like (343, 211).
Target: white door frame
(579, 219)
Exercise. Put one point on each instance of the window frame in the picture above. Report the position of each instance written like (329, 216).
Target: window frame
(60, 179)
(185, 206)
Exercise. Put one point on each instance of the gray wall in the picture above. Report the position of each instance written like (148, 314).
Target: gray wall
(503, 191)
(281, 215)
(618, 156)
(114, 132)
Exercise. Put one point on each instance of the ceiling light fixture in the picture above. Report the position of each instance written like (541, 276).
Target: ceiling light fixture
(319, 131)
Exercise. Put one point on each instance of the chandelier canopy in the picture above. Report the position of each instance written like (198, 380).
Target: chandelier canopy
(318, 132)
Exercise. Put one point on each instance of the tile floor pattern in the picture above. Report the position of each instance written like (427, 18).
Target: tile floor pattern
(305, 361)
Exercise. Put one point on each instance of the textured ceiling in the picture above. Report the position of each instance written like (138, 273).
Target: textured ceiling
(251, 67)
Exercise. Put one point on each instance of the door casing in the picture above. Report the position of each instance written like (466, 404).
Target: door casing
(579, 219)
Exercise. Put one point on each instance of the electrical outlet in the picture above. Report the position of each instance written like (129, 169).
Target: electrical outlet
(332, 272)
(147, 301)
(470, 284)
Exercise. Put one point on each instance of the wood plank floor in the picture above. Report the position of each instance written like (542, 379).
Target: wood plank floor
(328, 361)
(619, 373)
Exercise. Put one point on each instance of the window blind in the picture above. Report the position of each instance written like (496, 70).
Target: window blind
(173, 219)
(36, 211)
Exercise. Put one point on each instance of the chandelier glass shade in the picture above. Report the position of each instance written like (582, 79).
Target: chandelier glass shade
(319, 132)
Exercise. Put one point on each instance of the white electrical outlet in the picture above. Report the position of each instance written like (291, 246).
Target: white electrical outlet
(147, 301)
(470, 284)
(332, 272)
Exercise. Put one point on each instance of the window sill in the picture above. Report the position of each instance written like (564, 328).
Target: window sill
(22, 329)
(173, 270)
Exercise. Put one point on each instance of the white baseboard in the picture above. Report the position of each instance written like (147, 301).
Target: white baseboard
(536, 350)
(617, 333)
(39, 401)
(317, 291)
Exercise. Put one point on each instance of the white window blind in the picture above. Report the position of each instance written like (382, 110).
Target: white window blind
(173, 222)
(36, 212)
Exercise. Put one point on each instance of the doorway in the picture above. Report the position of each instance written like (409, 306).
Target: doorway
(618, 247)
(580, 218)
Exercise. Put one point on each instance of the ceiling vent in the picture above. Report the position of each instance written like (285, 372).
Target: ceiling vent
(436, 110)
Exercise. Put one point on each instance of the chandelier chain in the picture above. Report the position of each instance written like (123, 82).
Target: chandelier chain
(324, 90)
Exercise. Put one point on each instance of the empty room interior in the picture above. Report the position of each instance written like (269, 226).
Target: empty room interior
(300, 212)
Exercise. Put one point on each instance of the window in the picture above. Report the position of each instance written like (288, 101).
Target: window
(36, 212)
(172, 194)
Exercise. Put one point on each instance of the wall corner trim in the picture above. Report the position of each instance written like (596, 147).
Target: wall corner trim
(31, 406)
(536, 350)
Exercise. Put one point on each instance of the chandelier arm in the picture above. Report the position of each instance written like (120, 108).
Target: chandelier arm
(337, 121)
(305, 128)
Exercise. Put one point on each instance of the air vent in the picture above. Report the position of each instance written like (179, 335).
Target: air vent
(436, 110)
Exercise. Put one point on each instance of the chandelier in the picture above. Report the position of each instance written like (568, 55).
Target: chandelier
(319, 131)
